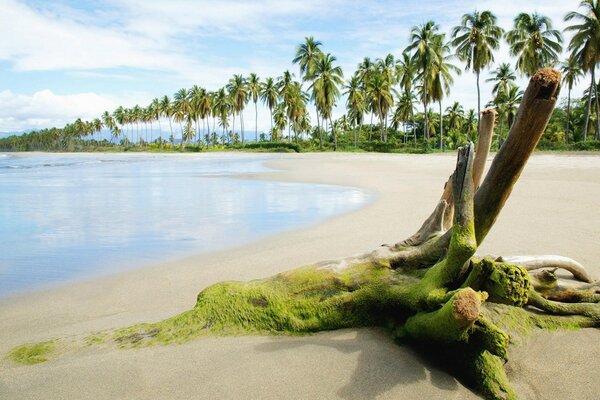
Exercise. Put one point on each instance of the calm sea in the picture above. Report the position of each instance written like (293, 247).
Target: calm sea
(69, 217)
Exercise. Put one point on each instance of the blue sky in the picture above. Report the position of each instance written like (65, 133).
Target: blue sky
(60, 60)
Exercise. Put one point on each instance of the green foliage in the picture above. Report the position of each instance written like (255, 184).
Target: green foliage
(272, 146)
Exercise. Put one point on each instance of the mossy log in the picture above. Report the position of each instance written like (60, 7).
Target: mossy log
(430, 290)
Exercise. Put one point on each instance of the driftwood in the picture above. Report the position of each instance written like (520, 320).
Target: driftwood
(429, 290)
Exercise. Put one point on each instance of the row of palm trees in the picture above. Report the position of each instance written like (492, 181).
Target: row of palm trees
(387, 89)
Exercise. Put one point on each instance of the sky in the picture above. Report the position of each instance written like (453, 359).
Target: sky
(61, 60)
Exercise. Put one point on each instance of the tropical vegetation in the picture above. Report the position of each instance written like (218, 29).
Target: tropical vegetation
(393, 103)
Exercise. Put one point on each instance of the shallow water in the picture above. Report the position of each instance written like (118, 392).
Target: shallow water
(68, 217)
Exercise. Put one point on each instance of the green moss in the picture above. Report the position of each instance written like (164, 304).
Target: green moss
(304, 300)
(520, 322)
(506, 283)
(32, 353)
(97, 338)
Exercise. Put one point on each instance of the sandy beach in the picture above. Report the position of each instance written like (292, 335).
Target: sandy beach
(554, 209)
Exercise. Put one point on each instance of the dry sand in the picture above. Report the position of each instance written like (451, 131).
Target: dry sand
(553, 210)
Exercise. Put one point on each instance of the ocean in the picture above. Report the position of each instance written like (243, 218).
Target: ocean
(70, 217)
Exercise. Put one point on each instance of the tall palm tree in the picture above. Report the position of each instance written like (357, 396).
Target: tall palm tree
(571, 71)
(503, 78)
(534, 42)
(379, 89)
(306, 57)
(238, 90)
(109, 123)
(166, 110)
(585, 47)
(182, 109)
(119, 116)
(328, 79)
(195, 98)
(254, 90)
(404, 112)
(156, 114)
(475, 39)
(422, 40)
(441, 77)
(406, 69)
(355, 102)
(222, 108)
(269, 96)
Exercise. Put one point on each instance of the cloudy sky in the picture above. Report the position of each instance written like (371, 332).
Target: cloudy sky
(61, 60)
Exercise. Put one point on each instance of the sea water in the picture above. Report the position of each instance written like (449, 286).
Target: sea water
(76, 216)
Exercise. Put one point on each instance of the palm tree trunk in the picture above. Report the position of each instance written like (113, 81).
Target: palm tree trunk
(232, 126)
(568, 115)
(371, 128)
(355, 138)
(441, 127)
(171, 126)
(414, 127)
(588, 108)
(242, 124)
(320, 132)
(255, 122)
(478, 104)
(597, 109)
(334, 135)
(500, 139)
(271, 110)
(160, 131)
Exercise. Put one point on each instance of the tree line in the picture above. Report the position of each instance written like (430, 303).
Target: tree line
(390, 102)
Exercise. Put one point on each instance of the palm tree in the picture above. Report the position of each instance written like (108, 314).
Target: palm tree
(470, 125)
(182, 109)
(238, 90)
(195, 98)
(254, 89)
(456, 115)
(406, 71)
(380, 92)
(156, 114)
(507, 104)
(355, 102)
(109, 123)
(571, 71)
(534, 42)
(166, 110)
(306, 57)
(503, 78)
(422, 40)
(475, 39)
(269, 96)
(405, 110)
(96, 126)
(222, 107)
(325, 87)
(441, 77)
(585, 47)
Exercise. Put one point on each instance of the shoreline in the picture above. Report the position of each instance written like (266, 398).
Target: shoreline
(552, 211)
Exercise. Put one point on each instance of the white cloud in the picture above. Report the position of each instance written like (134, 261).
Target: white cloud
(45, 108)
